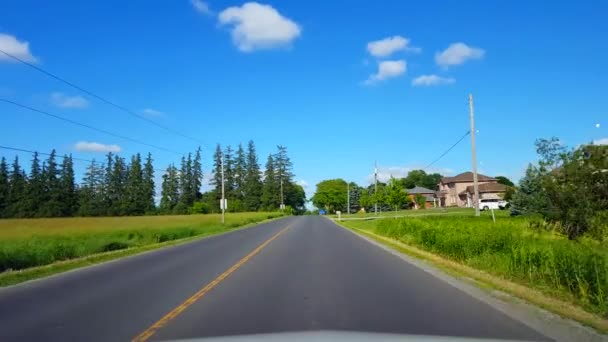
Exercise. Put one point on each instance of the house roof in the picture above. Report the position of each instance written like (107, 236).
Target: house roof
(487, 187)
(419, 190)
(466, 177)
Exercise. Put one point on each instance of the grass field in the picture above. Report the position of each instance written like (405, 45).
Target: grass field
(510, 249)
(26, 243)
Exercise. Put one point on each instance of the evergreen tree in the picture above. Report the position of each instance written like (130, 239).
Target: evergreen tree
(240, 173)
(185, 185)
(229, 173)
(116, 187)
(149, 191)
(270, 193)
(253, 182)
(52, 189)
(36, 195)
(197, 175)
(90, 194)
(108, 200)
(68, 197)
(17, 192)
(4, 188)
(283, 166)
(135, 201)
(216, 181)
(170, 190)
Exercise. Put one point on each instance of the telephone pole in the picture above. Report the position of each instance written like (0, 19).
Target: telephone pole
(348, 198)
(223, 203)
(282, 201)
(376, 187)
(474, 156)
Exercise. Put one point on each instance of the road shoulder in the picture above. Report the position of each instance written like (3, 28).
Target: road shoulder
(494, 293)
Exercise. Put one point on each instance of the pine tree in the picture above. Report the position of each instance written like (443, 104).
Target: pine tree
(90, 194)
(116, 187)
(108, 200)
(170, 190)
(68, 197)
(284, 176)
(229, 173)
(217, 177)
(17, 191)
(4, 188)
(135, 202)
(240, 173)
(51, 207)
(185, 185)
(270, 192)
(149, 192)
(36, 195)
(253, 182)
(197, 176)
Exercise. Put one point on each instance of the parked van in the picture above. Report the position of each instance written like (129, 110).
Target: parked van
(492, 203)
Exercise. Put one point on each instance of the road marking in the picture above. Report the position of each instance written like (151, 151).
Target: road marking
(146, 334)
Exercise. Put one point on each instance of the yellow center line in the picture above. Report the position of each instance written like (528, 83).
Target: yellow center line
(146, 334)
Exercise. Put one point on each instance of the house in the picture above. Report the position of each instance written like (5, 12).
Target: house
(458, 191)
(429, 195)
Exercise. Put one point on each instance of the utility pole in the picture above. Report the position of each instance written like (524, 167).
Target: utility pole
(282, 202)
(223, 203)
(376, 187)
(348, 198)
(474, 156)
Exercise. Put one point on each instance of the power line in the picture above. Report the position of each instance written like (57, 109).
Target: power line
(100, 98)
(87, 126)
(448, 150)
(48, 154)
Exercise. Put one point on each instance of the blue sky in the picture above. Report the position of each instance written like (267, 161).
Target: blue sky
(303, 74)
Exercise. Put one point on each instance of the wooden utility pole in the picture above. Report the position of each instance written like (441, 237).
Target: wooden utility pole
(376, 187)
(474, 156)
(223, 202)
(348, 198)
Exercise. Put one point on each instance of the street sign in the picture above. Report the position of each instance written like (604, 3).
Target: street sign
(282, 206)
(321, 212)
(224, 204)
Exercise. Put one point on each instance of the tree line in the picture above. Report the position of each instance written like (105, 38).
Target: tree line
(117, 186)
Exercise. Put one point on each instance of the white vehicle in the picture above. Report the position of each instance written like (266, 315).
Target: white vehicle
(492, 203)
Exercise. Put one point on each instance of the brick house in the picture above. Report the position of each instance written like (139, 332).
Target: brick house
(429, 195)
(458, 191)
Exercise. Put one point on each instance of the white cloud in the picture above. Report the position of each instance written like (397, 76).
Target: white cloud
(257, 26)
(86, 146)
(386, 70)
(65, 101)
(152, 112)
(201, 7)
(19, 49)
(385, 173)
(458, 53)
(387, 46)
(431, 80)
(603, 141)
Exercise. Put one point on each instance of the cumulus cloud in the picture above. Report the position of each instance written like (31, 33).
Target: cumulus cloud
(152, 112)
(386, 70)
(385, 172)
(65, 101)
(603, 141)
(256, 26)
(20, 49)
(201, 7)
(86, 146)
(458, 53)
(431, 80)
(387, 46)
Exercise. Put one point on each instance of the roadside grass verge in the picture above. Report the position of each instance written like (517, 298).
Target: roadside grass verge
(566, 277)
(408, 213)
(34, 248)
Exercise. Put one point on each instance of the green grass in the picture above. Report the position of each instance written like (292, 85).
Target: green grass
(30, 243)
(425, 212)
(573, 270)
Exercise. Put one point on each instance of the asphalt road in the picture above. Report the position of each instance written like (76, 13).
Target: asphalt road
(312, 276)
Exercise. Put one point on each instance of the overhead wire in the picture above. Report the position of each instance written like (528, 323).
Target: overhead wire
(99, 97)
(73, 122)
(448, 150)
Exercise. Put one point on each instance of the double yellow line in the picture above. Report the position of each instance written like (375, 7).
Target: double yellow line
(146, 334)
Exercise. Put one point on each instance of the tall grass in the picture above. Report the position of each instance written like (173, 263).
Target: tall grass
(511, 250)
(27, 243)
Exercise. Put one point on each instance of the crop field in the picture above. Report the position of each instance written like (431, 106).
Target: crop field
(26, 243)
(513, 248)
